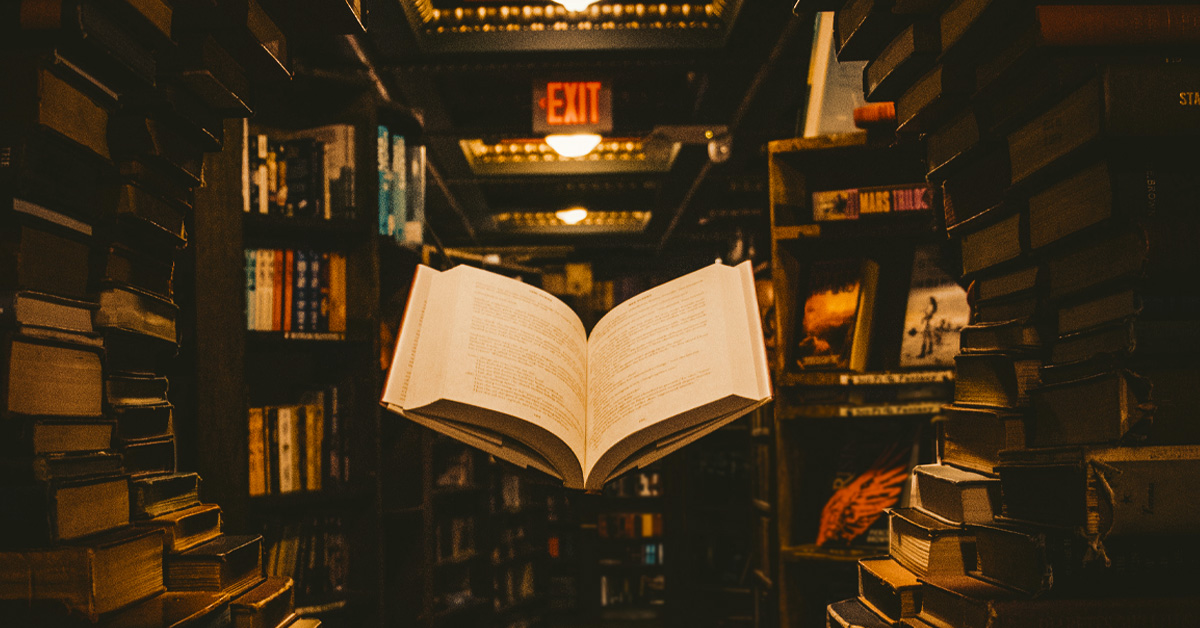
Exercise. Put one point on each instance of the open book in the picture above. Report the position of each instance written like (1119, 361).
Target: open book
(508, 368)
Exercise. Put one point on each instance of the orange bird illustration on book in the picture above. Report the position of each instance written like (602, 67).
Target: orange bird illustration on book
(854, 507)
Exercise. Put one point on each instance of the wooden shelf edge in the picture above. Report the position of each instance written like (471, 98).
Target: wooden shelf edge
(877, 378)
(813, 552)
(850, 411)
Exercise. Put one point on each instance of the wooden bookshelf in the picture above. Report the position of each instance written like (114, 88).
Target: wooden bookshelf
(829, 423)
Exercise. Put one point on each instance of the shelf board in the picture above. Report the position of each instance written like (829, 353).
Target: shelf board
(813, 552)
(273, 229)
(889, 225)
(881, 378)
(847, 411)
(472, 605)
(319, 609)
(820, 142)
(458, 560)
(336, 341)
(311, 499)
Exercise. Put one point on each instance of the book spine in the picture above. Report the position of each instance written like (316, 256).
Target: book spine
(316, 178)
(288, 284)
(1118, 25)
(286, 444)
(316, 441)
(263, 289)
(248, 167)
(382, 161)
(277, 285)
(322, 290)
(256, 445)
(271, 451)
(337, 292)
(262, 174)
(251, 291)
(414, 228)
(399, 172)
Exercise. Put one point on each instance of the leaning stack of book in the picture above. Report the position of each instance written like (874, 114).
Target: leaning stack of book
(1057, 135)
(63, 477)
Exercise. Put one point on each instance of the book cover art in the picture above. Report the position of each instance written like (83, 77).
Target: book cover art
(871, 474)
(826, 328)
(937, 311)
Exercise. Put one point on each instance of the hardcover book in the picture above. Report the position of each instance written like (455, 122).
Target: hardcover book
(106, 573)
(175, 609)
(154, 496)
(887, 588)
(936, 313)
(46, 377)
(871, 472)
(229, 564)
(187, 528)
(955, 494)
(928, 546)
(1105, 492)
(852, 613)
(835, 324)
(965, 602)
(268, 605)
(54, 511)
(509, 369)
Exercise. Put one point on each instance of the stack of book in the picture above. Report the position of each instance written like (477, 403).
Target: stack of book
(108, 111)
(64, 479)
(1057, 136)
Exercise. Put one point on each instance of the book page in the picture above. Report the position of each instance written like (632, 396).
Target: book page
(504, 346)
(671, 349)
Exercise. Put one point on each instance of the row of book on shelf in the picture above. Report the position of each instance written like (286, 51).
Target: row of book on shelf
(300, 292)
(1066, 462)
(297, 447)
(311, 173)
(629, 525)
(312, 552)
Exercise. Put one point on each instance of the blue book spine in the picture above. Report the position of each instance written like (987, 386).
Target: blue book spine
(300, 290)
(251, 287)
(297, 292)
(382, 163)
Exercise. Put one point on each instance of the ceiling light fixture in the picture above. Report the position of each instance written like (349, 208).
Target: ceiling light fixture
(573, 145)
(576, 5)
(571, 216)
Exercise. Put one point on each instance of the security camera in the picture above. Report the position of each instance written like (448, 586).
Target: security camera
(719, 150)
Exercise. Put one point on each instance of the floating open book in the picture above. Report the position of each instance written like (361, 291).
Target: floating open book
(509, 368)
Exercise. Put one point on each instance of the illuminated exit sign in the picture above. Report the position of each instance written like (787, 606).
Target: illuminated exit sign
(572, 106)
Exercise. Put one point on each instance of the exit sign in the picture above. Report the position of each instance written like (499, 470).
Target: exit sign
(572, 105)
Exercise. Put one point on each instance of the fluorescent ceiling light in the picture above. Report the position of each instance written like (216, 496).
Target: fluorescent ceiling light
(576, 5)
(575, 145)
(571, 216)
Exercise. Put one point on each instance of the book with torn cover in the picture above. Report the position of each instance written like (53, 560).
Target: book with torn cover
(508, 368)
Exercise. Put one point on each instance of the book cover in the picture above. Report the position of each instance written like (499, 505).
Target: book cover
(835, 318)
(870, 476)
(935, 314)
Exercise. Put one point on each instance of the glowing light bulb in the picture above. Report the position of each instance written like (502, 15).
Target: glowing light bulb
(575, 6)
(575, 145)
(571, 216)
